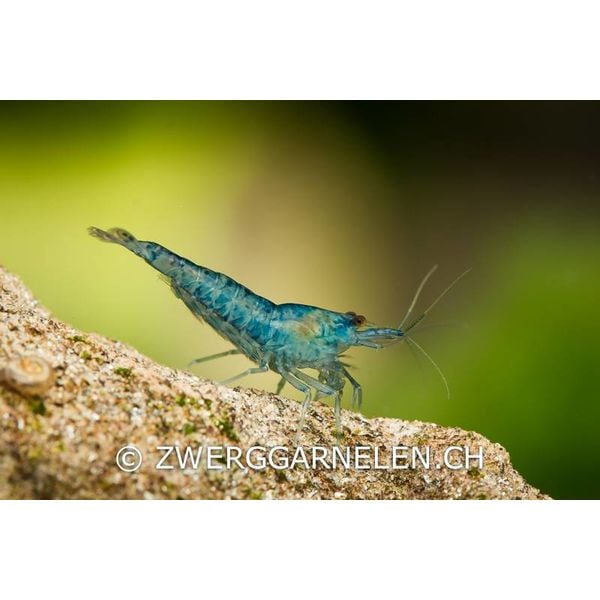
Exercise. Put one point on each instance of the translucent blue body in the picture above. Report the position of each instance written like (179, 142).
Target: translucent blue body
(284, 338)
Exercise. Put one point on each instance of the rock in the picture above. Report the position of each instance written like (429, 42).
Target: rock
(62, 441)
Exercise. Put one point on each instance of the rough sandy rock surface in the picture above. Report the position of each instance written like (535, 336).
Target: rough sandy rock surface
(59, 435)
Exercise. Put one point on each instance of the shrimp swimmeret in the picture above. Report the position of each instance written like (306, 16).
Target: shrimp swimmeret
(285, 338)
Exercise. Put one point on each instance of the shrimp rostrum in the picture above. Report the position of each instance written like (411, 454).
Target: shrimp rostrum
(284, 338)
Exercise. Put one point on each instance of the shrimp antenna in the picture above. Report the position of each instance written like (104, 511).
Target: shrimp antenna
(437, 368)
(426, 312)
(417, 294)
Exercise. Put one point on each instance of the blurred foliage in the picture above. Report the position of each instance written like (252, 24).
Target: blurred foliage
(346, 206)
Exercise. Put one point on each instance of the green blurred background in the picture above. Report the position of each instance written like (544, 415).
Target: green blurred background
(346, 206)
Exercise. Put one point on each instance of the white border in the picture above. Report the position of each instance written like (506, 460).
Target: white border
(309, 49)
(299, 549)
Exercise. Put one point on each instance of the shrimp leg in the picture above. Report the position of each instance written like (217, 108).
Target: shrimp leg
(306, 390)
(318, 385)
(356, 390)
(213, 356)
(252, 371)
(325, 390)
(280, 385)
(338, 415)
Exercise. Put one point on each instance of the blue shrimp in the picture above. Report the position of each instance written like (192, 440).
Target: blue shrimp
(284, 338)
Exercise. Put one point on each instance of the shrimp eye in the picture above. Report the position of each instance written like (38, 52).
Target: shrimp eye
(357, 320)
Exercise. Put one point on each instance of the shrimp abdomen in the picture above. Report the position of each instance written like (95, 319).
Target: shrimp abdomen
(232, 309)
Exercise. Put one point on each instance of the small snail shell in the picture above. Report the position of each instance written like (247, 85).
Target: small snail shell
(29, 375)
